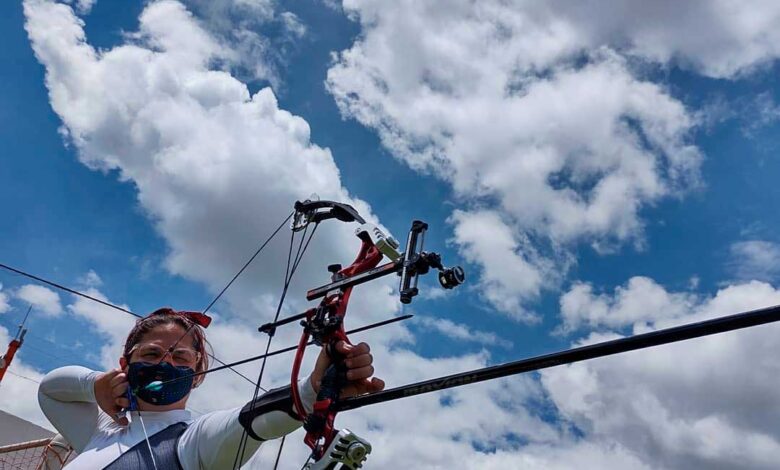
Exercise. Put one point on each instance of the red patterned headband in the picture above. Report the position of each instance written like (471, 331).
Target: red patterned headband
(196, 317)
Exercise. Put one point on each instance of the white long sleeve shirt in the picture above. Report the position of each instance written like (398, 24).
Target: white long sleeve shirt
(67, 398)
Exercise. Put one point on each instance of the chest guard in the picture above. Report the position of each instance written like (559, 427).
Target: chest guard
(164, 445)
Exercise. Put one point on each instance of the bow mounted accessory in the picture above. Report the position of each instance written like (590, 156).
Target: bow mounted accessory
(324, 324)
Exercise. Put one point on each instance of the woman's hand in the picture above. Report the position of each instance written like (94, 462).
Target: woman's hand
(110, 388)
(359, 370)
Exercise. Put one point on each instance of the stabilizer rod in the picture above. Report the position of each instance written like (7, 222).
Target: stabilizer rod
(285, 350)
(583, 353)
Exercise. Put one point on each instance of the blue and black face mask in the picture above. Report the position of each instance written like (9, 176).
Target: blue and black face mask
(142, 374)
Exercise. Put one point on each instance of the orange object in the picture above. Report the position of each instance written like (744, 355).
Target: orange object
(5, 362)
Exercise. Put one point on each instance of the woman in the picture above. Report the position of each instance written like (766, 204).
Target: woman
(86, 406)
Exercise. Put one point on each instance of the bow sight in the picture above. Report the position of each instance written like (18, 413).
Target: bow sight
(324, 324)
(410, 264)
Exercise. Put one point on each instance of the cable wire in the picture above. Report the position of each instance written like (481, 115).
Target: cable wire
(240, 271)
(291, 267)
(23, 377)
(103, 302)
(279, 453)
(67, 289)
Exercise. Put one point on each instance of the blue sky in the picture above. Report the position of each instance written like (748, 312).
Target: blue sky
(712, 231)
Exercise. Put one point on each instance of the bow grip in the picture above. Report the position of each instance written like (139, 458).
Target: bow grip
(331, 384)
(335, 377)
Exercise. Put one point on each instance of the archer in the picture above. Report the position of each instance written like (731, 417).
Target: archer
(120, 420)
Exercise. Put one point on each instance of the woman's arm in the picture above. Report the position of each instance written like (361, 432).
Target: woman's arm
(212, 440)
(67, 398)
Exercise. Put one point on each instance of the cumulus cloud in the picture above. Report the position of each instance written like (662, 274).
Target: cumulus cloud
(90, 279)
(509, 268)
(705, 403)
(82, 6)
(461, 332)
(755, 259)
(112, 325)
(216, 169)
(43, 299)
(720, 39)
(523, 106)
(4, 305)
(238, 25)
(641, 300)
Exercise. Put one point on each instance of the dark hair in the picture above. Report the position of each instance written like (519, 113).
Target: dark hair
(168, 316)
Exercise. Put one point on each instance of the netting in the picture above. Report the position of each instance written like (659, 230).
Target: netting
(42, 454)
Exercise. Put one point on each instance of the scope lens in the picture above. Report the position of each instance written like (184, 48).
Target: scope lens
(458, 274)
(451, 277)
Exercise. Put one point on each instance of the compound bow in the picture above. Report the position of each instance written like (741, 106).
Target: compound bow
(332, 448)
(325, 323)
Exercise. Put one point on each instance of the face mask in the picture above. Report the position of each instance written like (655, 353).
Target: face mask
(141, 374)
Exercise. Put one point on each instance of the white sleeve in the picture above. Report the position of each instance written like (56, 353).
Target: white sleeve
(67, 398)
(212, 440)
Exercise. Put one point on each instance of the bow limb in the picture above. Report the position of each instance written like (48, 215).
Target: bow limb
(296, 368)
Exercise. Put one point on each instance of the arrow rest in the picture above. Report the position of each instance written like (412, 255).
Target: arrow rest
(322, 324)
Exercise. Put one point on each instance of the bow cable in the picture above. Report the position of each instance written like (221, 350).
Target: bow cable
(102, 302)
(240, 271)
(192, 325)
(67, 289)
(227, 286)
(290, 269)
(155, 385)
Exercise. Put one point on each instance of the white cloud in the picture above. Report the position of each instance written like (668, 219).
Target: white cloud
(237, 25)
(521, 107)
(755, 259)
(111, 324)
(509, 268)
(215, 168)
(4, 305)
(293, 24)
(562, 158)
(720, 39)
(43, 299)
(334, 5)
(705, 403)
(82, 6)
(640, 300)
(461, 332)
(91, 279)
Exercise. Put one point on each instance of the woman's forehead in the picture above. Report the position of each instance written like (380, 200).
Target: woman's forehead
(168, 334)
